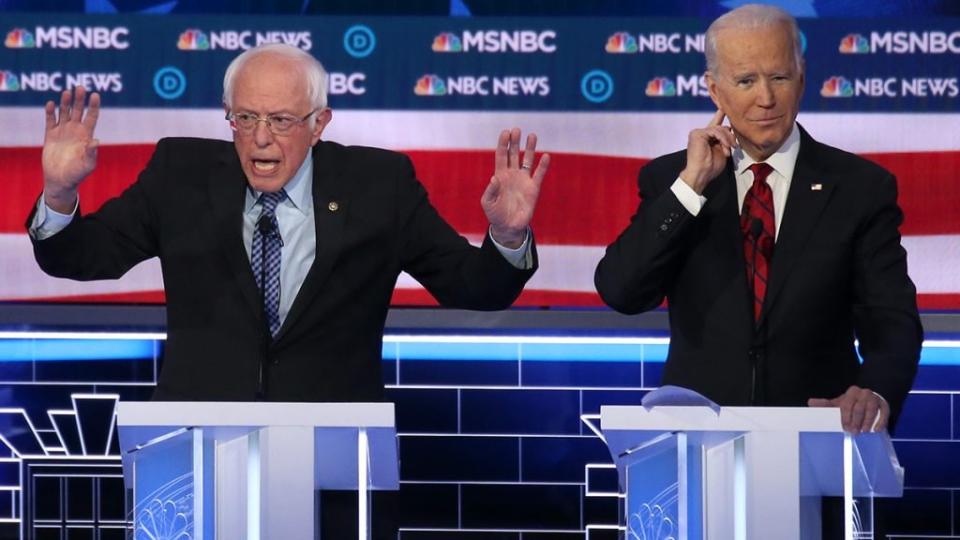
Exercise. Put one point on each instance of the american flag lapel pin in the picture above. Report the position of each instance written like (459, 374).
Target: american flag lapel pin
(816, 187)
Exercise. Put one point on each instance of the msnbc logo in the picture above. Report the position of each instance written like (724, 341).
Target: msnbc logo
(20, 38)
(8, 81)
(836, 87)
(447, 42)
(621, 42)
(661, 87)
(193, 40)
(430, 85)
(854, 44)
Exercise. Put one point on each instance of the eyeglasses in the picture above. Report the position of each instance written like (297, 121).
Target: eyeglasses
(278, 124)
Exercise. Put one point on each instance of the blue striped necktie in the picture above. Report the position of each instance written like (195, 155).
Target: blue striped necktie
(265, 258)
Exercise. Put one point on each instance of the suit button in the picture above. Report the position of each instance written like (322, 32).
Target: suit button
(333, 206)
(664, 227)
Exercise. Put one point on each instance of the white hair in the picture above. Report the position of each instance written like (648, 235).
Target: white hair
(751, 17)
(313, 72)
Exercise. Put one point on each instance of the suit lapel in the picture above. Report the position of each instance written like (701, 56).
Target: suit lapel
(227, 190)
(721, 196)
(330, 212)
(810, 191)
(725, 233)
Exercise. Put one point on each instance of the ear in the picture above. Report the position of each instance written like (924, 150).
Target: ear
(712, 88)
(322, 119)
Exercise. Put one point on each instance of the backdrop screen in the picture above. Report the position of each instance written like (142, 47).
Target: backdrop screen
(605, 95)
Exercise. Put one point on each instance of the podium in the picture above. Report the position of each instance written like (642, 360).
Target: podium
(250, 471)
(744, 473)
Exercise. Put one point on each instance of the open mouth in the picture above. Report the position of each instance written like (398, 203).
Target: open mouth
(266, 165)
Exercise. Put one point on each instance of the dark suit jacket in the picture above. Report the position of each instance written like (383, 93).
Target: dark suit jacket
(186, 209)
(838, 273)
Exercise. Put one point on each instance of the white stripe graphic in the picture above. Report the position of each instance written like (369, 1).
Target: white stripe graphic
(622, 134)
(562, 268)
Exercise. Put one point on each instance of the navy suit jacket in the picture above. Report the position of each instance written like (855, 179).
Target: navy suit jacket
(186, 208)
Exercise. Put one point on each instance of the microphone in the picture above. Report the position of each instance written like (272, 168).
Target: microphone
(756, 229)
(756, 384)
(265, 225)
(267, 228)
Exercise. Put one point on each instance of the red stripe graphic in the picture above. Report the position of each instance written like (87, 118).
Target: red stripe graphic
(586, 200)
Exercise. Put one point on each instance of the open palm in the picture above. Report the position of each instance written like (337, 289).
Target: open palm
(69, 149)
(511, 196)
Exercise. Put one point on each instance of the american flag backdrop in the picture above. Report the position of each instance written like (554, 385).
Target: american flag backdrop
(588, 197)
(604, 95)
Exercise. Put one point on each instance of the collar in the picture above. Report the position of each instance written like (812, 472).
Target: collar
(784, 160)
(299, 189)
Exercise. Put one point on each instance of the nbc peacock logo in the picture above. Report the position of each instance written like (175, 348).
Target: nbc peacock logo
(621, 43)
(20, 38)
(193, 40)
(447, 42)
(854, 44)
(661, 87)
(8, 81)
(430, 85)
(836, 87)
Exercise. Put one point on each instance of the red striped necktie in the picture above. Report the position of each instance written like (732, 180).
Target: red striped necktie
(758, 226)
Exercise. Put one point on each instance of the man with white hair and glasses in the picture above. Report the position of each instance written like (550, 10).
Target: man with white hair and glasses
(280, 251)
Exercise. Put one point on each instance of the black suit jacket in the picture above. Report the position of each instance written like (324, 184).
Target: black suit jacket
(186, 208)
(838, 273)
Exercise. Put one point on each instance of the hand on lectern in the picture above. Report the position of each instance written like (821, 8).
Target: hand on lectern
(861, 409)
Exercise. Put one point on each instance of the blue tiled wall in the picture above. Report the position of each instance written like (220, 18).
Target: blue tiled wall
(491, 441)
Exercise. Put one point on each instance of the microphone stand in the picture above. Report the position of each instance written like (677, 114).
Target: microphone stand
(756, 390)
(266, 228)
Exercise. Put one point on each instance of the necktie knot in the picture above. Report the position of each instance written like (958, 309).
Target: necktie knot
(760, 172)
(270, 200)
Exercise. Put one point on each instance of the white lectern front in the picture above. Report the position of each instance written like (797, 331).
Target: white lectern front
(251, 471)
(744, 473)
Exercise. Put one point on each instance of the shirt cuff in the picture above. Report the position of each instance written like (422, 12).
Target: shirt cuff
(877, 419)
(689, 198)
(520, 258)
(48, 222)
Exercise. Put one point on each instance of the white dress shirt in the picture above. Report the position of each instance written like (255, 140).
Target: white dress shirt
(783, 161)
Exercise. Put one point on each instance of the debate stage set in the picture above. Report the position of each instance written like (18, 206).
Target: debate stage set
(546, 421)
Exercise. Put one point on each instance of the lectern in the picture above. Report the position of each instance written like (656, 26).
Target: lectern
(250, 471)
(744, 473)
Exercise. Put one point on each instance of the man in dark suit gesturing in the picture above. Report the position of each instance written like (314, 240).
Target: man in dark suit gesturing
(328, 229)
(774, 251)
(279, 252)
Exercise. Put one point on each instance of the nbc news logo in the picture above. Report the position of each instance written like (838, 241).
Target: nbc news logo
(20, 38)
(430, 85)
(193, 40)
(8, 81)
(621, 43)
(854, 44)
(447, 42)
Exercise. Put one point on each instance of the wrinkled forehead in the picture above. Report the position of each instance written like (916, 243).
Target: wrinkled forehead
(768, 47)
(273, 79)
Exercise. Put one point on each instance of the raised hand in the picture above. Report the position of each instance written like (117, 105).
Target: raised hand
(861, 410)
(707, 152)
(69, 149)
(511, 196)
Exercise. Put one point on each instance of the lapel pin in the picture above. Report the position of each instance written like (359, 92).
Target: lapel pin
(333, 206)
(816, 187)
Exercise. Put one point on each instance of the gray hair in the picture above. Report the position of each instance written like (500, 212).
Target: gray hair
(752, 16)
(313, 72)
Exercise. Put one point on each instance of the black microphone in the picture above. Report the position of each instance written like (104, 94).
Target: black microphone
(267, 228)
(756, 384)
(756, 229)
(265, 224)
